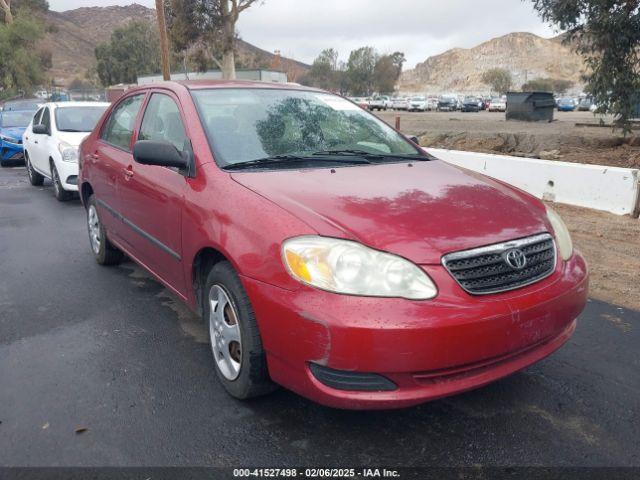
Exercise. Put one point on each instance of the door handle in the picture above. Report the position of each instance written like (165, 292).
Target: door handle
(128, 173)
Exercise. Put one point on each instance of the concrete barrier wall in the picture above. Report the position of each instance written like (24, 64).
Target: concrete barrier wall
(610, 189)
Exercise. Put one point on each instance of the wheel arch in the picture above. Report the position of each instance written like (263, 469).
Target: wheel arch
(86, 190)
(202, 263)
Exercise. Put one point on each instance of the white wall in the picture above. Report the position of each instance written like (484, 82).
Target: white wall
(610, 189)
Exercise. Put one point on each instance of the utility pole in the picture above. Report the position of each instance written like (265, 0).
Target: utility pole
(164, 42)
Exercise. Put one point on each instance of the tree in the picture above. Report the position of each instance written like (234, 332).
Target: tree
(499, 79)
(547, 85)
(132, 51)
(324, 71)
(5, 5)
(9, 8)
(208, 26)
(360, 70)
(21, 64)
(387, 72)
(607, 34)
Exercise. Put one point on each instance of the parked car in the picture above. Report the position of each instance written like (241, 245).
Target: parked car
(566, 104)
(418, 104)
(362, 102)
(585, 104)
(498, 104)
(334, 257)
(432, 103)
(380, 103)
(51, 143)
(12, 125)
(401, 103)
(22, 105)
(447, 104)
(470, 104)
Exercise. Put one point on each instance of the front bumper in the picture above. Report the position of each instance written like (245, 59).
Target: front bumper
(68, 172)
(11, 152)
(429, 349)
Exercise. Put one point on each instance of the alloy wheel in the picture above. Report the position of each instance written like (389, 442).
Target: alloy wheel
(224, 333)
(56, 180)
(94, 229)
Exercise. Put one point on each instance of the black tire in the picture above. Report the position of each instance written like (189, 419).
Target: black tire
(34, 177)
(253, 378)
(105, 253)
(60, 193)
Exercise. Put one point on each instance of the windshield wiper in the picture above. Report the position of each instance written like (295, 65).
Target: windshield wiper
(285, 159)
(370, 155)
(72, 130)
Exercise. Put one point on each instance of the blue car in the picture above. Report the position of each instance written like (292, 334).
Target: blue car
(13, 123)
(566, 105)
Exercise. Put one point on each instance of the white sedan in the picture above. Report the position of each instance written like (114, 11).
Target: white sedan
(51, 143)
(498, 104)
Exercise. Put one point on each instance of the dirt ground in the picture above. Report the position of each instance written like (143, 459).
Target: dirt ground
(611, 245)
(561, 139)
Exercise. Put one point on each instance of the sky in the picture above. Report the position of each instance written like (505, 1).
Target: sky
(300, 29)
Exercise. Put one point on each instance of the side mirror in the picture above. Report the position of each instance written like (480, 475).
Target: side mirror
(40, 130)
(162, 154)
(415, 140)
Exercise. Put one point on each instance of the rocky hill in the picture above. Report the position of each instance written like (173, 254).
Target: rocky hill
(76, 33)
(525, 55)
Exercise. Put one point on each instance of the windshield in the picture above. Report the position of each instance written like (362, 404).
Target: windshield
(418, 99)
(15, 119)
(78, 119)
(566, 101)
(250, 124)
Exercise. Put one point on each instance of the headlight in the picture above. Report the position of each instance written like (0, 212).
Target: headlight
(69, 152)
(563, 237)
(346, 267)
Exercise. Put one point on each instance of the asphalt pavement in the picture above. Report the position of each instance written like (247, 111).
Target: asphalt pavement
(103, 367)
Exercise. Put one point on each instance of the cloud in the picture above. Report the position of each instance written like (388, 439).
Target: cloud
(419, 28)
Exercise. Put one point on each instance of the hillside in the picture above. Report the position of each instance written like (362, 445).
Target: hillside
(525, 55)
(76, 34)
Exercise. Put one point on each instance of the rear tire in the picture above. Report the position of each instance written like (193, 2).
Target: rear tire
(103, 251)
(239, 359)
(61, 194)
(35, 178)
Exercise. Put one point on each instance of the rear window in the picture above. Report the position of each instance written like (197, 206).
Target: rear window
(78, 119)
(118, 130)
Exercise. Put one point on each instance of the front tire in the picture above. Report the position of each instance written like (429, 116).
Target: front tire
(61, 194)
(35, 179)
(239, 359)
(103, 251)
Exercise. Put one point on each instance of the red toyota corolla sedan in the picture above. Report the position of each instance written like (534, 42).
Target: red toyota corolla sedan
(326, 252)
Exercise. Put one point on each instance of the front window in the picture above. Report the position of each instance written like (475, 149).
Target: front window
(78, 119)
(15, 119)
(418, 99)
(251, 124)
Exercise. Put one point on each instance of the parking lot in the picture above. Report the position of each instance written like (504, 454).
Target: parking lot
(102, 366)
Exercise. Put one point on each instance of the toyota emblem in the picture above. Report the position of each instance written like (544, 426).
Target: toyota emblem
(516, 259)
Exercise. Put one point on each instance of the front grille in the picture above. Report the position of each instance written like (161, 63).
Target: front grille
(503, 266)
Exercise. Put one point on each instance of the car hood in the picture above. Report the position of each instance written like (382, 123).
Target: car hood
(72, 138)
(12, 132)
(420, 212)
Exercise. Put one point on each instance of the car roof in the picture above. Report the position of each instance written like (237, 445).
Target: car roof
(224, 84)
(78, 104)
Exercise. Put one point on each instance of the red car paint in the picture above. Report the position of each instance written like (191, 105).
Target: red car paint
(430, 349)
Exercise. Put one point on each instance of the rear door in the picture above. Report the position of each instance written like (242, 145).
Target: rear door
(39, 153)
(153, 196)
(29, 138)
(111, 158)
